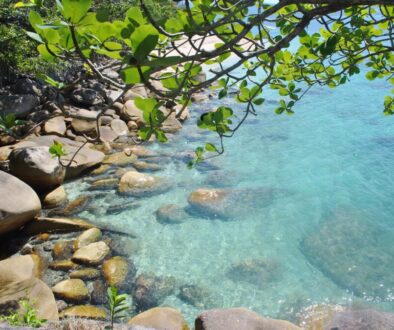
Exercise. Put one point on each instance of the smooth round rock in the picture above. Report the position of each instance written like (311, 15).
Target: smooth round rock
(87, 237)
(160, 318)
(92, 254)
(55, 198)
(73, 290)
(84, 311)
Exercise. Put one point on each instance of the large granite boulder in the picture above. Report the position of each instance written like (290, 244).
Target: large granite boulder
(139, 184)
(18, 204)
(354, 252)
(36, 167)
(20, 105)
(85, 158)
(240, 319)
(160, 318)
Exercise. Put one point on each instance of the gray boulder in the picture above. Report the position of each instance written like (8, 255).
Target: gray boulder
(20, 105)
(36, 167)
(18, 205)
(86, 97)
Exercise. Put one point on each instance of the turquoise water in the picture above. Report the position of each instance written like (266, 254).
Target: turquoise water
(325, 236)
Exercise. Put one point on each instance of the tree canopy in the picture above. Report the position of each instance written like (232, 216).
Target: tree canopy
(246, 45)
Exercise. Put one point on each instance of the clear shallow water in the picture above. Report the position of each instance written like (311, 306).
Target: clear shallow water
(332, 164)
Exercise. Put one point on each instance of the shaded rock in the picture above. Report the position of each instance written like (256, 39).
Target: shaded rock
(121, 207)
(120, 159)
(185, 112)
(56, 126)
(55, 198)
(106, 120)
(99, 293)
(62, 250)
(171, 125)
(27, 86)
(150, 291)
(119, 127)
(19, 268)
(240, 319)
(75, 206)
(36, 167)
(100, 170)
(43, 225)
(139, 184)
(73, 290)
(171, 214)
(354, 253)
(42, 237)
(160, 318)
(34, 290)
(92, 254)
(254, 271)
(199, 97)
(13, 213)
(196, 296)
(20, 105)
(86, 97)
(64, 265)
(134, 92)
(82, 126)
(88, 236)
(85, 311)
(118, 272)
(85, 274)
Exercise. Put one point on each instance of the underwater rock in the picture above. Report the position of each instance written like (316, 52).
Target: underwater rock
(147, 167)
(85, 274)
(64, 265)
(196, 296)
(354, 253)
(139, 184)
(64, 225)
(254, 271)
(120, 159)
(171, 214)
(159, 318)
(104, 184)
(99, 293)
(88, 236)
(150, 291)
(84, 311)
(122, 207)
(118, 272)
(62, 250)
(75, 206)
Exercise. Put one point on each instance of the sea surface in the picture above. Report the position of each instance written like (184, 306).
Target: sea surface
(315, 224)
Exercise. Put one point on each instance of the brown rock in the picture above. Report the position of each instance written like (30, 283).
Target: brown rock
(116, 272)
(88, 236)
(161, 318)
(120, 159)
(35, 291)
(43, 237)
(20, 268)
(55, 198)
(62, 250)
(100, 170)
(137, 184)
(73, 290)
(56, 126)
(85, 274)
(73, 207)
(42, 225)
(64, 265)
(99, 293)
(102, 184)
(144, 166)
(92, 254)
(240, 319)
(84, 311)
(81, 126)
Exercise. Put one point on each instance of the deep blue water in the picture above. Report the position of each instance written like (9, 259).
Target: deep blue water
(325, 236)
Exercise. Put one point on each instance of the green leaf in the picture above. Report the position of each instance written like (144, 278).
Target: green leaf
(75, 10)
(143, 40)
(210, 147)
(57, 149)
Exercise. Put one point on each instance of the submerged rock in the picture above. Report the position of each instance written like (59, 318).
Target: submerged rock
(85, 274)
(120, 159)
(160, 318)
(259, 272)
(88, 236)
(44, 225)
(99, 293)
(64, 265)
(18, 204)
(84, 311)
(62, 250)
(139, 184)
(240, 319)
(354, 253)
(171, 214)
(196, 296)
(74, 207)
(150, 291)
(118, 272)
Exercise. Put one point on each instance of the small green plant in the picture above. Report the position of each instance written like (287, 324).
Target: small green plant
(117, 305)
(57, 149)
(27, 316)
(9, 122)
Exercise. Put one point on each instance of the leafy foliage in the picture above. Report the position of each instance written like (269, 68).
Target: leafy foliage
(271, 44)
(57, 149)
(27, 317)
(117, 304)
(9, 122)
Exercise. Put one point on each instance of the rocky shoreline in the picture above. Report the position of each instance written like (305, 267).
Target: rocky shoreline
(65, 264)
